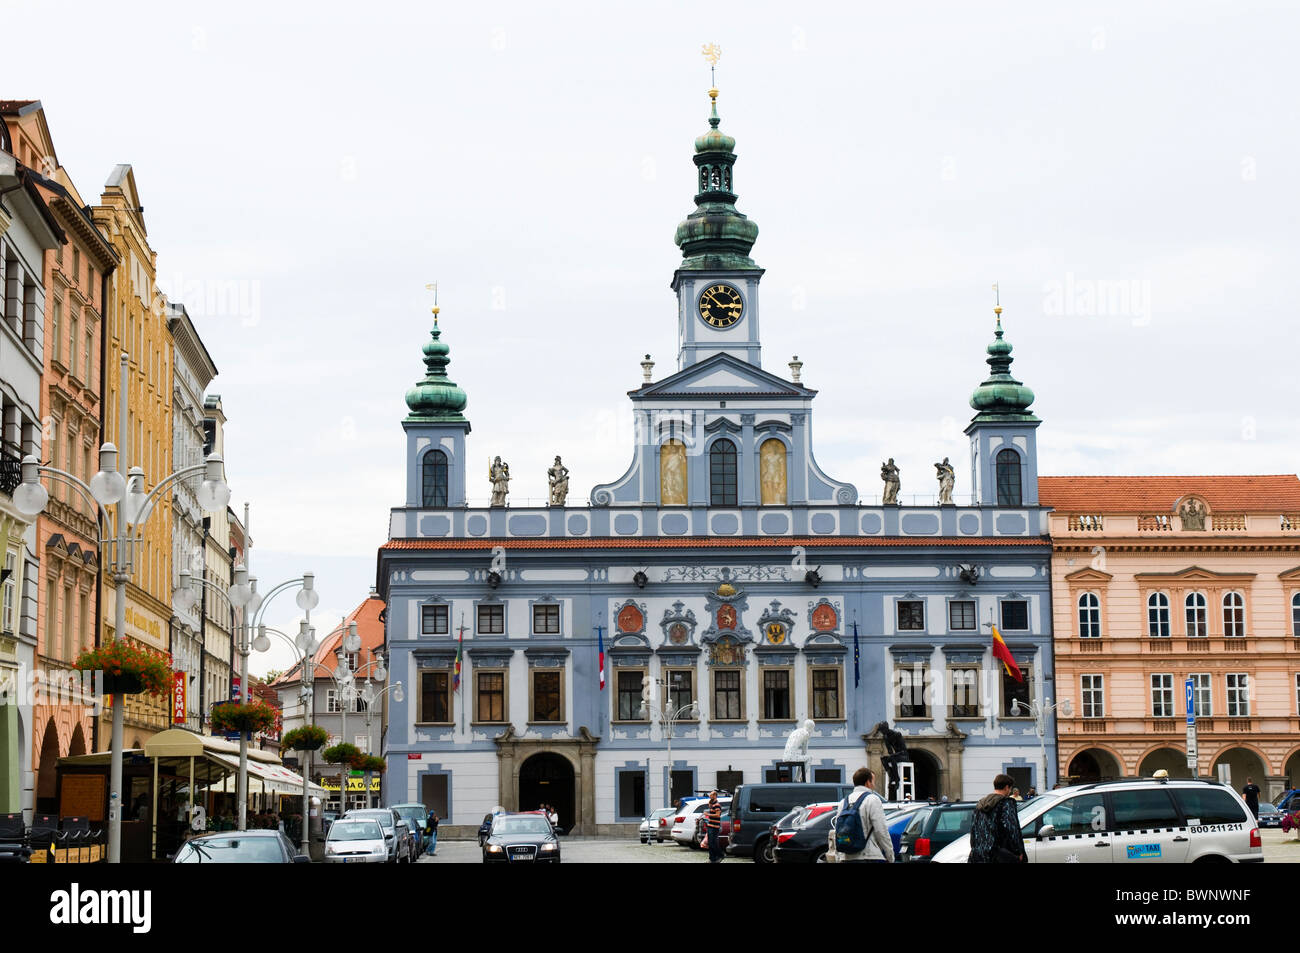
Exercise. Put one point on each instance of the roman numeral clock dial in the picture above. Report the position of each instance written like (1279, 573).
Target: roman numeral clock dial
(721, 306)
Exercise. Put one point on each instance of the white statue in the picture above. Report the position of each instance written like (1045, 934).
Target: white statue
(946, 480)
(558, 477)
(890, 474)
(796, 746)
(499, 475)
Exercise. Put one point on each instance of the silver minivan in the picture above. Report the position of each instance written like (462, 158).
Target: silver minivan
(1135, 821)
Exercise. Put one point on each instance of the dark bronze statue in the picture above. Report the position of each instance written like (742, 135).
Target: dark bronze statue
(895, 754)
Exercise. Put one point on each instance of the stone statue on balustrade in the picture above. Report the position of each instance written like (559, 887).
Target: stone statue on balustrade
(890, 474)
(499, 476)
(947, 478)
(558, 478)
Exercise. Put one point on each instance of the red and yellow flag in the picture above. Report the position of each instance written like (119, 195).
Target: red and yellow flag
(1003, 655)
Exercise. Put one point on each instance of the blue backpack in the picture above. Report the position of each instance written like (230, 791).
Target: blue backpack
(850, 838)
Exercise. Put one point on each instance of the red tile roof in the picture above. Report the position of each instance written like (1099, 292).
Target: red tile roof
(371, 630)
(711, 542)
(1271, 494)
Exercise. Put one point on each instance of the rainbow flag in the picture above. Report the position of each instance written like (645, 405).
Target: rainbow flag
(460, 649)
(1003, 655)
(600, 650)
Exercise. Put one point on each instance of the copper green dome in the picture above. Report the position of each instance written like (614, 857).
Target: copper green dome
(436, 398)
(715, 235)
(1001, 396)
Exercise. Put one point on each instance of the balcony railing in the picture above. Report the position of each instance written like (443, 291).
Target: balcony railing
(1155, 522)
(1086, 523)
(11, 469)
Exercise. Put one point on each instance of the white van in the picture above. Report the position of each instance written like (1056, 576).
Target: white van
(1135, 821)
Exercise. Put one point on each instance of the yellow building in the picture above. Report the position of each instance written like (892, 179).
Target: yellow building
(136, 316)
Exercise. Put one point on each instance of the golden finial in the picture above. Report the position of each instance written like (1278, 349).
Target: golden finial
(712, 52)
(997, 304)
(433, 286)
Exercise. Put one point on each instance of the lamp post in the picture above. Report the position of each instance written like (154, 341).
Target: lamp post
(1039, 713)
(345, 691)
(370, 697)
(120, 529)
(243, 595)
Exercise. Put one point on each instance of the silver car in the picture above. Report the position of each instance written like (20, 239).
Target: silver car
(356, 841)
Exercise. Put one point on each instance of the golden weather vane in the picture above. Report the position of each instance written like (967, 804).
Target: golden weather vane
(433, 286)
(712, 52)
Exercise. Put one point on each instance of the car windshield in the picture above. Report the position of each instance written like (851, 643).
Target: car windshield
(521, 825)
(385, 818)
(231, 850)
(356, 830)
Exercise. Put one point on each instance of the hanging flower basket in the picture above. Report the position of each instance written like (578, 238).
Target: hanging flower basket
(127, 668)
(373, 763)
(343, 753)
(305, 738)
(255, 716)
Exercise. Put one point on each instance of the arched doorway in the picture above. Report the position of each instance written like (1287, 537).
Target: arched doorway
(547, 778)
(925, 771)
(46, 778)
(1242, 763)
(1168, 759)
(1093, 764)
(1291, 770)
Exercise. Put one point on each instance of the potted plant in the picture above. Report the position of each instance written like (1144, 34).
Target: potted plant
(305, 738)
(254, 716)
(373, 763)
(342, 753)
(127, 668)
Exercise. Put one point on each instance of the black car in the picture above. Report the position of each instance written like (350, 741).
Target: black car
(934, 828)
(240, 847)
(804, 841)
(521, 838)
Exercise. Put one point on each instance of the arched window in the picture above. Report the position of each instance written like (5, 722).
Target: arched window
(1295, 615)
(1158, 615)
(1089, 616)
(1234, 615)
(1008, 472)
(434, 479)
(1196, 617)
(722, 473)
(771, 472)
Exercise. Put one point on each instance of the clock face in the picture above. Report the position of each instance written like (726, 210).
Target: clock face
(721, 306)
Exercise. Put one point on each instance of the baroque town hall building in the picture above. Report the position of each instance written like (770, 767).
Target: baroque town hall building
(726, 566)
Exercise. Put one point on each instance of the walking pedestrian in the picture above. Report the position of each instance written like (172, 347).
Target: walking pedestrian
(995, 828)
(1251, 793)
(879, 849)
(713, 827)
(431, 831)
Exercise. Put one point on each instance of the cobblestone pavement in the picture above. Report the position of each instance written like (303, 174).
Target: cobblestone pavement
(607, 850)
(585, 850)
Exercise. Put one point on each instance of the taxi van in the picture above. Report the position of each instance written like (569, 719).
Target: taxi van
(1134, 821)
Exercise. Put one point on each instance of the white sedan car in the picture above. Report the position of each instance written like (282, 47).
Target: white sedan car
(356, 841)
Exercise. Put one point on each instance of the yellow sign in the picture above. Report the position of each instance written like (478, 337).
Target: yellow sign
(354, 784)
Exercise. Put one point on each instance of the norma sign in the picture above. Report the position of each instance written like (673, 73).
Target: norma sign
(178, 698)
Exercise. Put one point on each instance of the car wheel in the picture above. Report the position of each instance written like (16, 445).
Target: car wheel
(819, 857)
(765, 851)
(1212, 859)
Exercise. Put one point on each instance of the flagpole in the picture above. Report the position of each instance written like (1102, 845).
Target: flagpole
(460, 647)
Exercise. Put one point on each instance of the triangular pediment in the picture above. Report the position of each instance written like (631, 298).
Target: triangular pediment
(1291, 575)
(1194, 574)
(723, 374)
(1088, 574)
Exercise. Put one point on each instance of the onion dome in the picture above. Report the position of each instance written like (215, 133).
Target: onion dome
(436, 398)
(715, 235)
(1001, 396)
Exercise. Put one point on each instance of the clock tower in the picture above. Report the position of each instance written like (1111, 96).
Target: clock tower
(717, 281)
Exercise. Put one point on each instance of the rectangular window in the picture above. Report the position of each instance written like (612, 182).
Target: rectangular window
(1202, 695)
(961, 616)
(1238, 695)
(51, 613)
(681, 688)
(909, 689)
(491, 704)
(74, 341)
(776, 695)
(1015, 695)
(726, 695)
(56, 331)
(965, 693)
(435, 697)
(1093, 691)
(7, 619)
(911, 615)
(546, 696)
(435, 620)
(628, 686)
(68, 630)
(1015, 614)
(90, 350)
(826, 693)
(631, 794)
(491, 619)
(1162, 696)
(546, 620)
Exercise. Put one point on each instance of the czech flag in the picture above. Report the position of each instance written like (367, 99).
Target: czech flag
(1003, 655)
(600, 648)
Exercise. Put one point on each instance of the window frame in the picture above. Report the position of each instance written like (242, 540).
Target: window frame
(446, 611)
(674, 695)
(1091, 627)
(974, 615)
(719, 461)
(914, 672)
(446, 692)
(1162, 695)
(1162, 605)
(1092, 694)
(479, 610)
(1002, 615)
(1234, 615)
(504, 675)
(547, 609)
(837, 675)
(431, 466)
(533, 675)
(739, 674)
(1006, 683)
(1242, 690)
(898, 615)
(617, 695)
(968, 709)
(1203, 624)
(1002, 465)
(765, 713)
(1202, 688)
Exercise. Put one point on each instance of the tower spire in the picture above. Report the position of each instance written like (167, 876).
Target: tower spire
(436, 397)
(1001, 396)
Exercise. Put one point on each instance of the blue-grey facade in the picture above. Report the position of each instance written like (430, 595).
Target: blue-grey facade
(724, 566)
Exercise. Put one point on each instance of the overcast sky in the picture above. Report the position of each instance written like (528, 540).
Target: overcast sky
(1126, 172)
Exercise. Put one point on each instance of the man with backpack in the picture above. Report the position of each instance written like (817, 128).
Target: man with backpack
(861, 835)
(995, 827)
